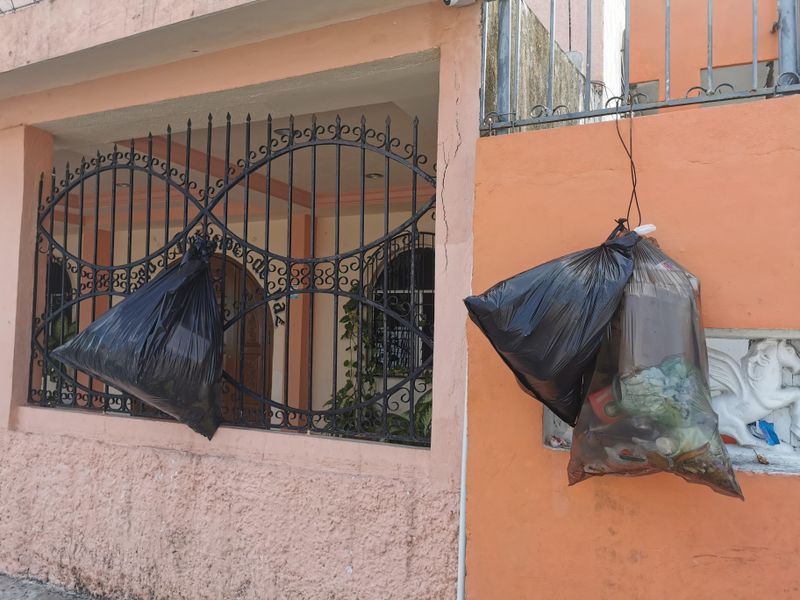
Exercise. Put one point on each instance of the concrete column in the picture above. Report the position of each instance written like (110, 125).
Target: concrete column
(25, 153)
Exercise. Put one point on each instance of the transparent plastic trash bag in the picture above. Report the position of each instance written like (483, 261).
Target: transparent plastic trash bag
(648, 407)
(162, 344)
(547, 323)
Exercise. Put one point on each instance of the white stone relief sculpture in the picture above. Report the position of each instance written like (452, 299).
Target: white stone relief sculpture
(755, 388)
(752, 378)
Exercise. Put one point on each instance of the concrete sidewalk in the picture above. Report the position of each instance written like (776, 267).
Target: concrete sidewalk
(23, 589)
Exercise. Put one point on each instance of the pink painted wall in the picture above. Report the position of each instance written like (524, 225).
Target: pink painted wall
(154, 523)
(147, 509)
(54, 29)
(720, 184)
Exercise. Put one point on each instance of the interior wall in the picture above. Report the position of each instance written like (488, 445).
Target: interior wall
(726, 210)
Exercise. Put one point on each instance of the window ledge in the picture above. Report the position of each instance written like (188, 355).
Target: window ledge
(297, 449)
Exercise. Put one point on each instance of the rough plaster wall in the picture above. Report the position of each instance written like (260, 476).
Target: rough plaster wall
(571, 18)
(534, 61)
(150, 523)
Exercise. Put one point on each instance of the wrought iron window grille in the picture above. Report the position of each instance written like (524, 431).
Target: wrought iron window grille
(306, 241)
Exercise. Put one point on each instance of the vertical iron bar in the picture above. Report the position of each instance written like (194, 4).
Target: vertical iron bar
(80, 253)
(710, 44)
(484, 49)
(667, 47)
(62, 312)
(289, 265)
(95, 269)
(224, 275)
(35, 311)
(126, 400)
(224, 300)
(517, 58)
(149, 216)
(48, 304)
(337, 248)
(551, 57)
(167, 188)
(267, 409)
(112, 244)
(112, 264)
(385, 396)
(626, 68)
(207, 191)
(243, 300)
(312, 272)
(504, 60)
(360, 351)
(587, 92)
(187, 173)
(412, 305)
(128, 270)
(754, 85)
(787, 40)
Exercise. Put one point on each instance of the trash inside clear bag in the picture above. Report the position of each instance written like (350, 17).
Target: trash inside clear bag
(648, 405)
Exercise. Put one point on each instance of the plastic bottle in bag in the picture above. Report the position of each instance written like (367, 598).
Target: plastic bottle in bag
(648, 407)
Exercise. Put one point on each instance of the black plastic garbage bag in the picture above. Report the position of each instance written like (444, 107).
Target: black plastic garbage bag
(649, 405)
(162, 344)
(547, 323)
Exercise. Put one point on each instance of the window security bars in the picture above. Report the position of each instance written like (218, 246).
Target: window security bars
(534, 79)
(324, 268)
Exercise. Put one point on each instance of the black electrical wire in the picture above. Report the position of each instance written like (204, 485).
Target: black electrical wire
(634, 199)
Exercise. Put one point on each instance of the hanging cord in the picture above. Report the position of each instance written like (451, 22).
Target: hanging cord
(629, 151)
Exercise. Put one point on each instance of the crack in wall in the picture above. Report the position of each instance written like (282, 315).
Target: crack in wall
(444, 176)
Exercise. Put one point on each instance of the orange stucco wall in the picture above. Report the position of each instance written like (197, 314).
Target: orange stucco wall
(732, 37)
(721, 185)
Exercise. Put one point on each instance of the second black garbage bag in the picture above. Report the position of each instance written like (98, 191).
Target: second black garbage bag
(162, 344)
(547, 323)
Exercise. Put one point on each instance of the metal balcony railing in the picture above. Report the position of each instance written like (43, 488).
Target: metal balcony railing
(531, 80)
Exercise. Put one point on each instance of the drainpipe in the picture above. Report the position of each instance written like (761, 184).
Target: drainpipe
(462, 509)
(787, 42)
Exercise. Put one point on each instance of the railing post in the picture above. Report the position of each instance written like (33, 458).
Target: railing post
(484, 50)
(787, 42)
(504, 60)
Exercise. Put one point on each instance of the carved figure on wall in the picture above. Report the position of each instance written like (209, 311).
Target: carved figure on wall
(750, 391)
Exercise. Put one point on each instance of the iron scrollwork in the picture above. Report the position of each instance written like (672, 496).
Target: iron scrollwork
(119, 219)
